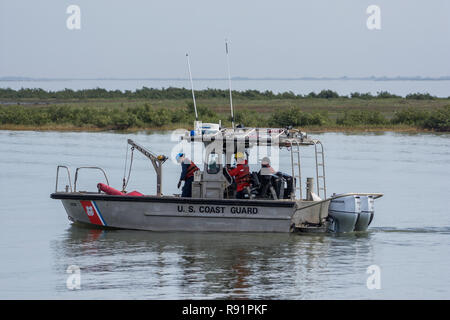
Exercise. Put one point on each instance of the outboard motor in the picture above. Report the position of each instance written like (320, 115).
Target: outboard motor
(289, 181)
(255, 184)
(344, 213)
(271, 186)
(278, 185)
(366, 215)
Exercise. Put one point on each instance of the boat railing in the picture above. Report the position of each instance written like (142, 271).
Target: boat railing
(94, 168)
(296, 168)
(69, 186)
(320, 168)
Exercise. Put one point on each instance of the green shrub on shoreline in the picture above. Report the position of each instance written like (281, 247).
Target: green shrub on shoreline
(332, 111)
(142, 116)
(296, 118)
(358, 117)
(146, 116)
(438, 120)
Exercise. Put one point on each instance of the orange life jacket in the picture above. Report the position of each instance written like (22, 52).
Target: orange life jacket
(191, 169)
(241, 175)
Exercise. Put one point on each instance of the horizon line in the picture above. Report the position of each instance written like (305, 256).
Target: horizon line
(238, 78)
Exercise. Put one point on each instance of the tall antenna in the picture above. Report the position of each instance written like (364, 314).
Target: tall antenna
(192, 86)
(229, 83)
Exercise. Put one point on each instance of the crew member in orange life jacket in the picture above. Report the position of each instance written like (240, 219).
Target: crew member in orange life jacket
(187, 174)
(241, 175)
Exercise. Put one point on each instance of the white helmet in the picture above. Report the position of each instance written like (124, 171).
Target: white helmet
(265, 161)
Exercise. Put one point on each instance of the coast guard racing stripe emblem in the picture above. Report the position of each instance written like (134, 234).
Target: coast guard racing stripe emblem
(94, 215)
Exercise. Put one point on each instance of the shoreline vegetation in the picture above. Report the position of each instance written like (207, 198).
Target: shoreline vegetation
(171, 108)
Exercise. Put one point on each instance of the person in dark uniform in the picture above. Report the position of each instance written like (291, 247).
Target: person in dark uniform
(187, 174)
(276, 178)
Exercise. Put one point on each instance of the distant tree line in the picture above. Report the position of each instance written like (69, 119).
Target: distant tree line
(183, 93)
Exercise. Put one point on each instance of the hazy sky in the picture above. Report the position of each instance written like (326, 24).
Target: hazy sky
(283, 38)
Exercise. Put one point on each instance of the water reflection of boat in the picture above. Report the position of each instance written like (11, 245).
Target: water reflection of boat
(213, 265)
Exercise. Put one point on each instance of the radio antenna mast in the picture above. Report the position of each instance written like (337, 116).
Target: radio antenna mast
(229, 83)
(192, 86)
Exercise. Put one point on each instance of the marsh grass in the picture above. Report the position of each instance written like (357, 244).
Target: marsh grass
(326, 111)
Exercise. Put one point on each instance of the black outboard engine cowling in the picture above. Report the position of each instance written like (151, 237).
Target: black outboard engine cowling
(289, 181)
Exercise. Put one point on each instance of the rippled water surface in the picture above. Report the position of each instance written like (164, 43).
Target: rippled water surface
(409, 238)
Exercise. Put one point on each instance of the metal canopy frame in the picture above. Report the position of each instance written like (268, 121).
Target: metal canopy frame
(292, 139)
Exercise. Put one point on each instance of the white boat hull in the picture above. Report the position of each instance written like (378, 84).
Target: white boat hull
(175, 214)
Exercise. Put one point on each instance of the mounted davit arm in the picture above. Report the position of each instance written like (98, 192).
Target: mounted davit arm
(157, 161)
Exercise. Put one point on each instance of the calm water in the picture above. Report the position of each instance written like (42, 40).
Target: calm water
(343, 87)
(409, 238)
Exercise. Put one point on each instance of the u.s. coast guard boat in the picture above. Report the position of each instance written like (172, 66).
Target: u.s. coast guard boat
(274, 202)
(277, 203)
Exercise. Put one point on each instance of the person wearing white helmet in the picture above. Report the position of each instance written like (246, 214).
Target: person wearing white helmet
(276, 178)
(266, 169)
(187, 174)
